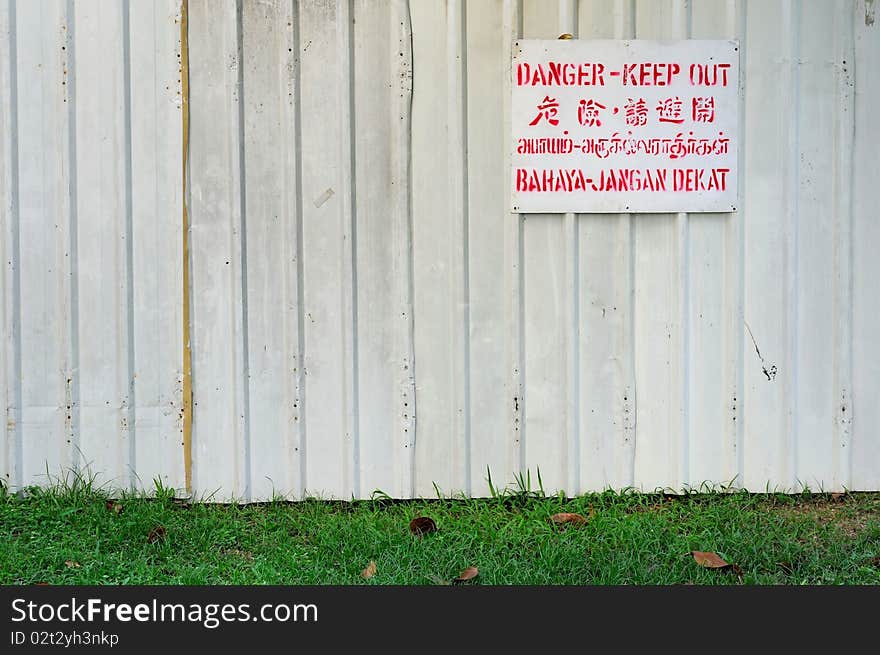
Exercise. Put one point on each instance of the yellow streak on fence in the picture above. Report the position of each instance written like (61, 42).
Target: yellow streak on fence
(187, 351)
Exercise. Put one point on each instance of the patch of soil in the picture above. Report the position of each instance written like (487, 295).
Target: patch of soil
(850, 521)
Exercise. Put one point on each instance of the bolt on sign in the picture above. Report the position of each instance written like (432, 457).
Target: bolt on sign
(624, 126)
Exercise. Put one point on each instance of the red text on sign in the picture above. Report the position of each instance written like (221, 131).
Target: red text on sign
(648, 74)
(708, 74)
(559, 74)
(569, 180)
(700, 179)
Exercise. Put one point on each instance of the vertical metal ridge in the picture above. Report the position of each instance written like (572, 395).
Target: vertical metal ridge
(689, 18)
(244, 419)
(633, 16)
(843, 187)
(864, 458)
(793, 15)
(520, 373)
(568, 23)
(634, 34)
(626, 29)
(631, 397)
(684, 258)
(187, 400)
(465, 231)
(401, 153)
(288, 73)
(130, 401)
(514, 253)
(73, 377)
(12, 254)
(457, 137)
(684, 253)
(575, 358)
(567, 16)
(298, 208)
(344, 19)
(739, 255)
(352, 259)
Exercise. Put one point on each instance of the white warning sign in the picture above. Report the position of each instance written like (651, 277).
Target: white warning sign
(624, 126)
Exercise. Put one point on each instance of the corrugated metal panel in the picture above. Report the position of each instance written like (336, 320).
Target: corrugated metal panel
(367, 314)
(300, 233)
(858, 302)
(90, 151)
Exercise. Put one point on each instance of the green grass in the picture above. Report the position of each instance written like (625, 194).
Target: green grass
(66, 535)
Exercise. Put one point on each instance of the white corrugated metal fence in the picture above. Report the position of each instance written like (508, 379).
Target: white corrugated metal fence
(365, 312)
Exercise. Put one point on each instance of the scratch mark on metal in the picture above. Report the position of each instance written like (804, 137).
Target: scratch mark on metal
(771, 372)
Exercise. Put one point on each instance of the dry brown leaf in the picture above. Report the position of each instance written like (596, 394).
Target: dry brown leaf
(714, 561)
(370, 571)
(876, 561)
(422, 525)
(156, 534)
(837, 497)
(786, 567)
(709, 560)
(72, 564)
(566, 36)
(42, 584)
(569, 517)
(469, 573)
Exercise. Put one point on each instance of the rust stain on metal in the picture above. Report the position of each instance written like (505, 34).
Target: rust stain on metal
(187, 350)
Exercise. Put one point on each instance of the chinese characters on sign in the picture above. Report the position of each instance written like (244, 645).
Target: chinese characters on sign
(624, 126)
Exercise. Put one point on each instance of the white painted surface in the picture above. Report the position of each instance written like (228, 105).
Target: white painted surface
(384, 321)
(90, 204)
